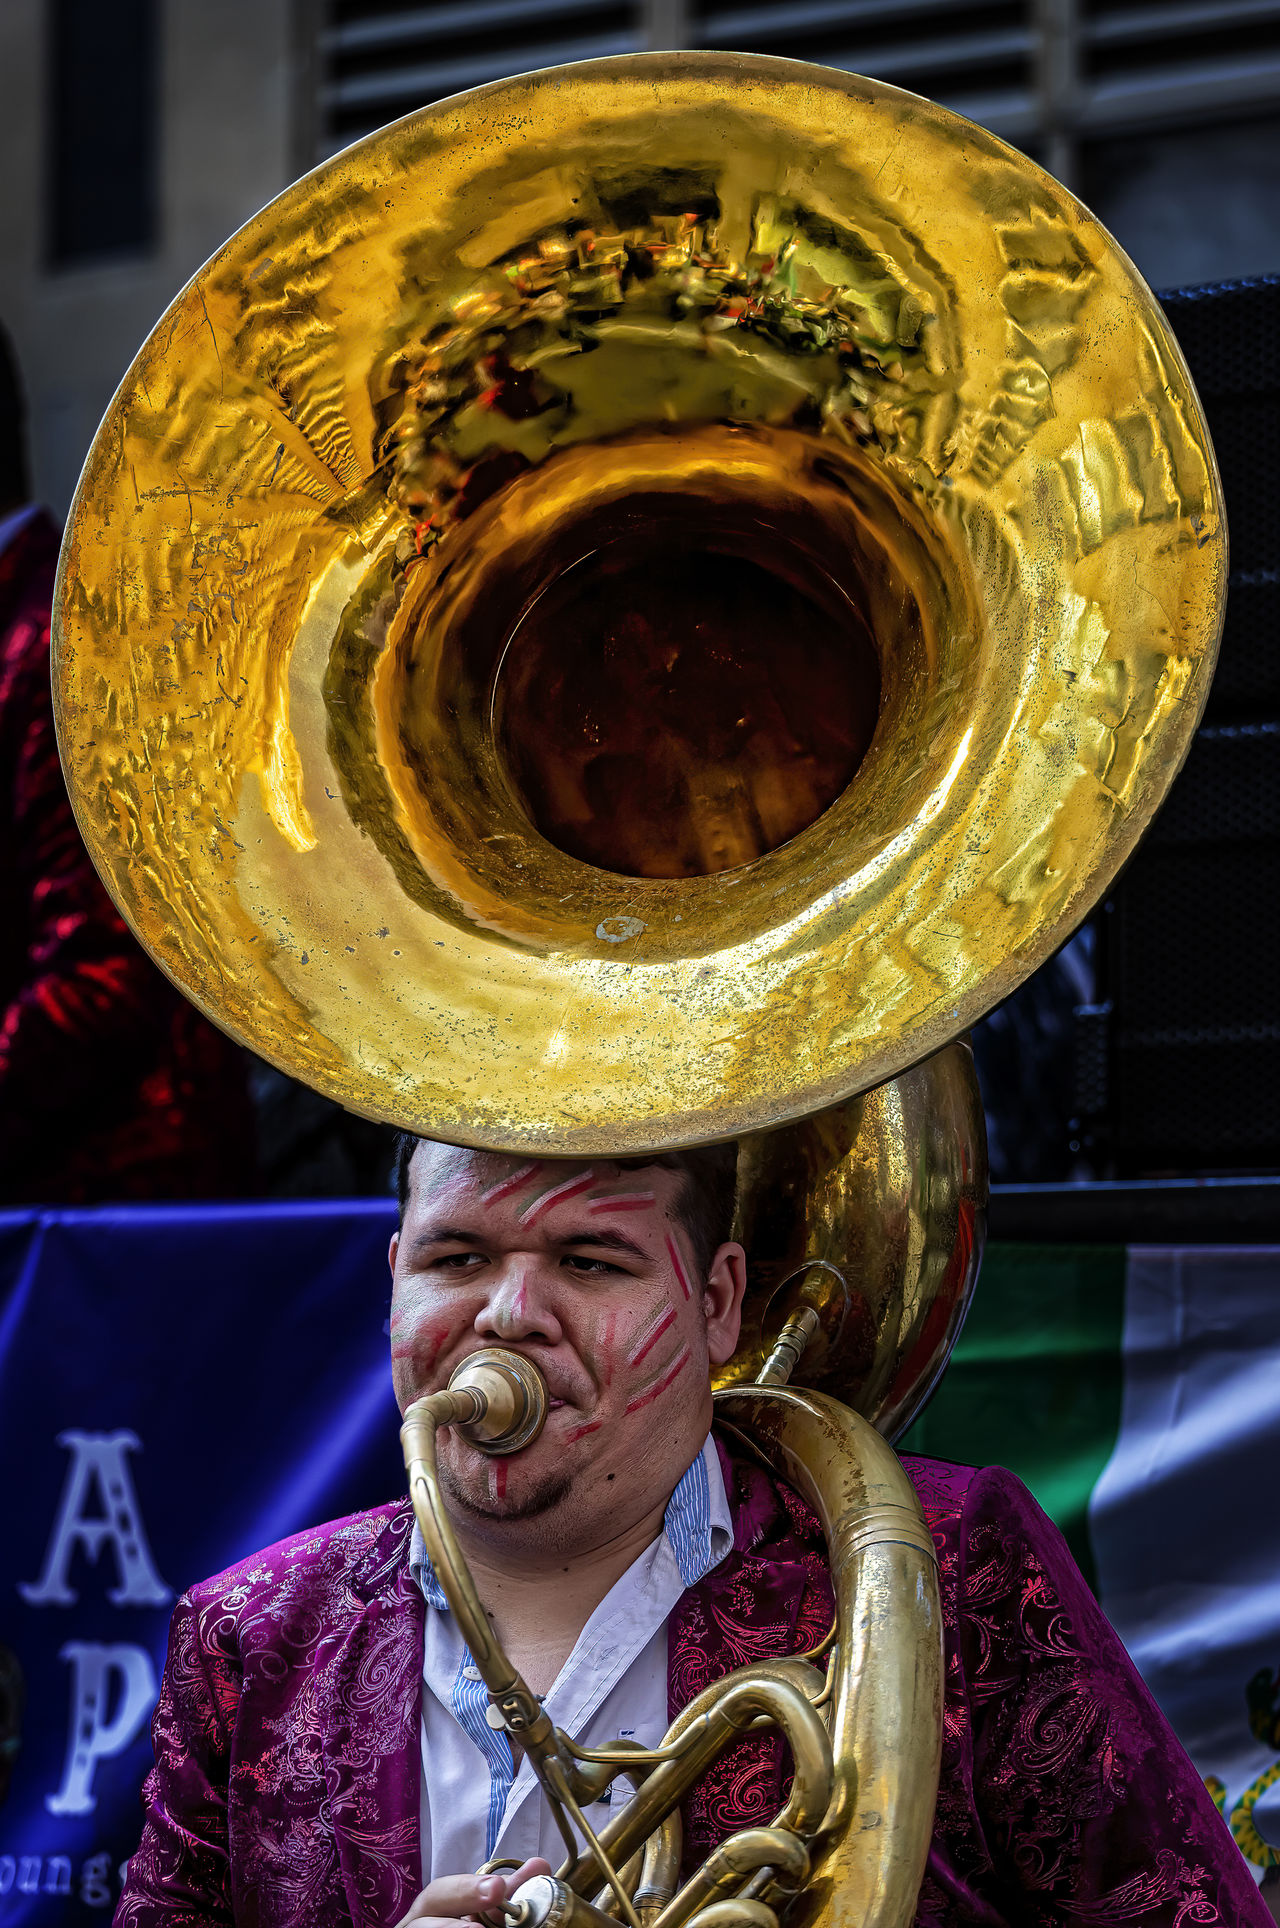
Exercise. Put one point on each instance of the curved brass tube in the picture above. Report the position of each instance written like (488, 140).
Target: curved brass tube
(652, 1875)
(467, 1399)
(659, 1869)
(779, 1690)
(865, 1797)
(735, 1914)
(851, 1839)
(886, 1711)
(726, 1868)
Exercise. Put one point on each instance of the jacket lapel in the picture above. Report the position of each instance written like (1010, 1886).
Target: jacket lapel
(769, 1597)
(751, 1606)
(371, 1737)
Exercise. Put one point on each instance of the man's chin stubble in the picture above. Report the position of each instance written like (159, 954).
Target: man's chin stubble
(543, 1498)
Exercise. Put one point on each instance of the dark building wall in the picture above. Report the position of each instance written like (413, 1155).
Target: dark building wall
(1192, 204)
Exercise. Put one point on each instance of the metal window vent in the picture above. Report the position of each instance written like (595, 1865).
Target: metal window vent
(977, 58)
(1045, 74)
(1175, 60)
(380, 60)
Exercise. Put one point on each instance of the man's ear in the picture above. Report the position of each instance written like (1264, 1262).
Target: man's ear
(722, 1301)
(391, 1252)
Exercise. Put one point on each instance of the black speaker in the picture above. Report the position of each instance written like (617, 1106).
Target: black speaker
(1178, 1057)
(1150, 1046)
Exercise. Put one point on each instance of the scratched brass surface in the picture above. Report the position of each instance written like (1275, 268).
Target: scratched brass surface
(891, 1188)
(364, 410)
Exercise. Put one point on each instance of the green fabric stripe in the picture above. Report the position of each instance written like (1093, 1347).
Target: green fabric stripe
(1035, 1381)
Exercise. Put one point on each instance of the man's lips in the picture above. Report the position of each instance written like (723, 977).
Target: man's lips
(555, 1400)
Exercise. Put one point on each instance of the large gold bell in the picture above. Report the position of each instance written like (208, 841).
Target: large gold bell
(636, 603)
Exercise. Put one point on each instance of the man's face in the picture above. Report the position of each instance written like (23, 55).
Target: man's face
(586, 1270)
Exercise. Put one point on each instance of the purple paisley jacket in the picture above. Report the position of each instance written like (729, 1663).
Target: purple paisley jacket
(285, 1793)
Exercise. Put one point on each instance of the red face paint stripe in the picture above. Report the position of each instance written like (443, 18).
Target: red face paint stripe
(623, 1202)
(499, 1478)
(676, 1367)
(673, 1253)
(580, 1432)
(506, 1186)
(646, 1345)
(568, 1188)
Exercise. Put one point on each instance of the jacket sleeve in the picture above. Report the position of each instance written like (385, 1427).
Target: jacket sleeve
(1092, 1811)
(180, 1873)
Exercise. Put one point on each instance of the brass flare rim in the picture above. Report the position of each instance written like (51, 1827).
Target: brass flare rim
(726, 267)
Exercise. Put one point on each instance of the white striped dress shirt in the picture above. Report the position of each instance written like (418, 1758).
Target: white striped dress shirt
(474, 1806)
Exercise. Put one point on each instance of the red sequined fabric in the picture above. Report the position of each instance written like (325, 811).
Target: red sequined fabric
(1064, 1795)
(111, 1085)
(286, 1786)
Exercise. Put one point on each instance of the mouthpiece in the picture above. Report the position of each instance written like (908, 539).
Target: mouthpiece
(511, 1397)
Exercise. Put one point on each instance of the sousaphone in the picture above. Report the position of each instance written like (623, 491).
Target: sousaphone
(629, 609)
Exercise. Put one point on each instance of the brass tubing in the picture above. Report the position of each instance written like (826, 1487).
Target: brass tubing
(418, 1438)
(789, 1347)
(603, 1862)
(604, 1897)
(727, 1866)
(780, 1691)
(652, 1874)
(520, 1708)
(735, 1914)
(660, 1868)
(886, 1702)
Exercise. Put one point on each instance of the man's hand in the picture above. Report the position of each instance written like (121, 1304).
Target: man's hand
(456, 1899)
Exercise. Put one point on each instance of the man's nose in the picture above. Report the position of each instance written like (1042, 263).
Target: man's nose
(520, 1306)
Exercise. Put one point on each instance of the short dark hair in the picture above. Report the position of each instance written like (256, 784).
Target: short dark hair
(706, 1197)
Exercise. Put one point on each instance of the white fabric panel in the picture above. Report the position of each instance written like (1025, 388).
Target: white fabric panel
(1186, 1516)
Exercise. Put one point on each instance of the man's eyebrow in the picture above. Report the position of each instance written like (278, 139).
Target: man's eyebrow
(611, 1241)
(429, 1235)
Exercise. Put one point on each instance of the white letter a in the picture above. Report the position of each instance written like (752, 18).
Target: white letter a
(98, 1466)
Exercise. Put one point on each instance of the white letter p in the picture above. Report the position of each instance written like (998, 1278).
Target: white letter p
(96, 1670)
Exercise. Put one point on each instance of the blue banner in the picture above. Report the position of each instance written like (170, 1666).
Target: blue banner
(181, 1386)
(178, 1386)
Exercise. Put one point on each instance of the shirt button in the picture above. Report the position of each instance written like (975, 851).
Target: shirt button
(471, 1673)
(494, 1715)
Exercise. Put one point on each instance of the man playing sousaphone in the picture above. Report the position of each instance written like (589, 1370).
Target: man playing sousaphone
(322, 1747)
(624, 612)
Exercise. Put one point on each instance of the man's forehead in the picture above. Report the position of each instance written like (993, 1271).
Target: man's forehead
(434, 1167)
(440, 1168)
(437, 1169)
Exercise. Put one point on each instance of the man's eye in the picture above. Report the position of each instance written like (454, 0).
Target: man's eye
(456, 1261)
(577, 1262)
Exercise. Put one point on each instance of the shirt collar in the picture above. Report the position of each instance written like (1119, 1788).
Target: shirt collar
(697, 1526)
